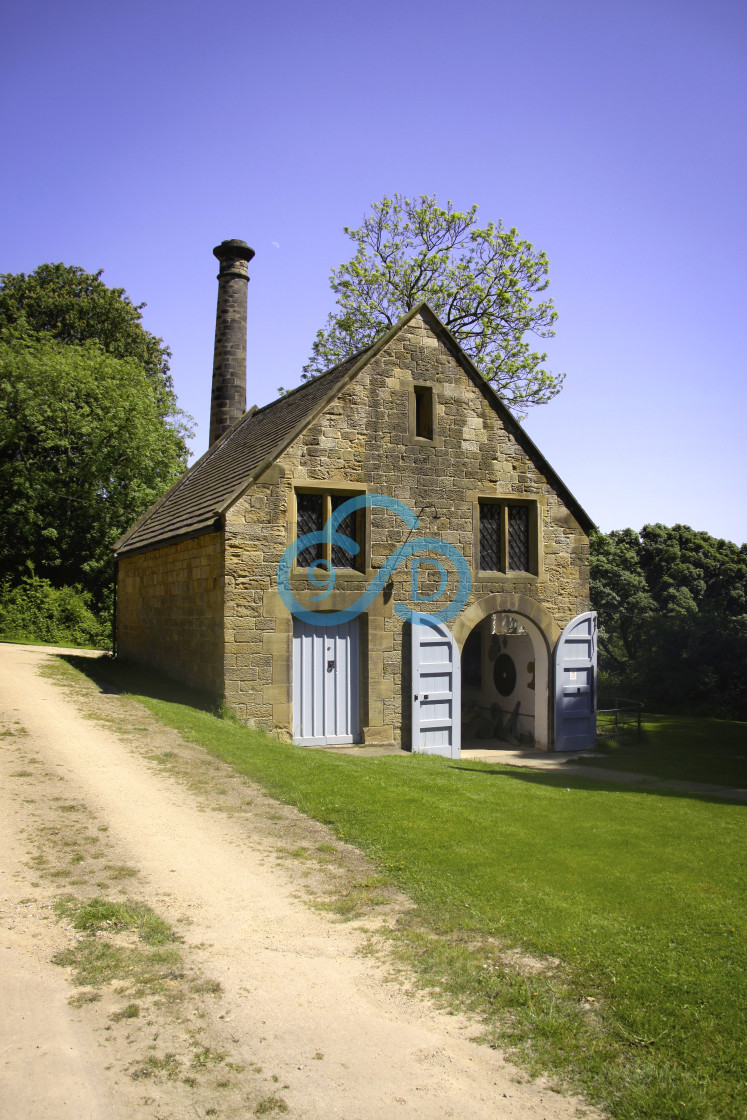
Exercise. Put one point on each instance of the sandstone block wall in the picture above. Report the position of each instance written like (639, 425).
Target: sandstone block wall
(170, 611)
(365, 442)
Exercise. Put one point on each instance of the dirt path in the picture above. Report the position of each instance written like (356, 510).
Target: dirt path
(271, 1009)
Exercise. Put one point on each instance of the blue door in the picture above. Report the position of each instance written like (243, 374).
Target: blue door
(576, 685)
(325, 683)
(436, 689)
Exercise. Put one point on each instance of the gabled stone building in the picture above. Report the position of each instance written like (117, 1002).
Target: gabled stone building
(410, 419)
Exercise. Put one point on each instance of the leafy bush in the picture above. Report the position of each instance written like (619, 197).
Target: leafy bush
(35, 611)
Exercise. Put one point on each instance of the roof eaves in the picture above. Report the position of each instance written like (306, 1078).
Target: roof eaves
(212, 525)
(119, 545)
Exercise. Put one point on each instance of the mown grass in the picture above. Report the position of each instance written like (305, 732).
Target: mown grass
(693, 750)
(638, 895)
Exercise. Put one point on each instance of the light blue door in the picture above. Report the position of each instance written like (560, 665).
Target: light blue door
(325, 683)
(576, 685)
(436, 689)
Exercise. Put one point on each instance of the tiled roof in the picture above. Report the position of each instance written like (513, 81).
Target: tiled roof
(195, 502)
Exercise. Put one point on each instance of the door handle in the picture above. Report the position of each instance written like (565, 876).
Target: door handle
(330, 666)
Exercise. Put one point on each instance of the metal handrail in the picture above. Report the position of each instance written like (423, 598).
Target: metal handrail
(624, 712)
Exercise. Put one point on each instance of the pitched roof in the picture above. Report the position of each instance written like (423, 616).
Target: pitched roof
(211, 485)
(196, 501)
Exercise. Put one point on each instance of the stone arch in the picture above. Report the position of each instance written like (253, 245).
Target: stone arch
(506, 604)
(544, 632)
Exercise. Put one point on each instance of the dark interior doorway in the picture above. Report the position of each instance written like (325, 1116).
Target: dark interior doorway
(498, 685)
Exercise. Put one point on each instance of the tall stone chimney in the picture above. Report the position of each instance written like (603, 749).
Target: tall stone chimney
(229, 358)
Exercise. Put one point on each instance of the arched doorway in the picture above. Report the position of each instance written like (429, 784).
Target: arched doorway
(506, 642)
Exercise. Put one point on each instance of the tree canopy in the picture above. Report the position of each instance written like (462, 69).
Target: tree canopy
(672, 606)
(87, 442)
(483, 283)
(90, 431)
(66, 303)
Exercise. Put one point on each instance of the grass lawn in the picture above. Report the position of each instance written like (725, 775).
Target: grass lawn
(694, 750)
(639, 897)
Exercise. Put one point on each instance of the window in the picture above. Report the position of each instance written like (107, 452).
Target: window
(508, 536)
(349, 526)
(490, 537)
(309, 519)
(423, 411)
(312, 513)
(518, 538)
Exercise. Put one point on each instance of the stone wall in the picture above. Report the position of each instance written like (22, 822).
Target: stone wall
(365, 442)
(170, 611)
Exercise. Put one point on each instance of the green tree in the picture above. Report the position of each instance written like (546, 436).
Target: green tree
(87, 442)
(686, 568)
(482, 283)
(620, 594)
(71, 305)
(672, 605)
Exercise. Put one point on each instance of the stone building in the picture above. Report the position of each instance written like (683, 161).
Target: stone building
(323, 649)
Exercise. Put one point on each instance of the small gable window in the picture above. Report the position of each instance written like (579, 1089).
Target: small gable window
(313, 511)
(508, 536)
(423, 411)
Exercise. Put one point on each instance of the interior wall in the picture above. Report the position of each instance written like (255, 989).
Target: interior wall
(515, 708)
(518, 704)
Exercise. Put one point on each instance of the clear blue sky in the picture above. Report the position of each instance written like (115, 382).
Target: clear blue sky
(612, 135)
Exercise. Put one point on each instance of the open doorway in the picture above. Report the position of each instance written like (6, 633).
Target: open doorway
(504, 670)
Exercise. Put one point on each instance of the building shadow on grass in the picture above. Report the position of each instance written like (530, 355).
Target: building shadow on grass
(115, 677)
(646, 785)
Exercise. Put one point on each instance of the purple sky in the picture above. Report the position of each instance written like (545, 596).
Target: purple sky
(612, 135)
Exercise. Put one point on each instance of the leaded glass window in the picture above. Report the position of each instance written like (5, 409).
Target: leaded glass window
(313, 511)
(348, 526)
(490, 537)
(309, 519)
(506, 536)
(518, 539)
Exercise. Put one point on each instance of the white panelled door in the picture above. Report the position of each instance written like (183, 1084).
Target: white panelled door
(436, 689)
(325, 683)
(576, 685)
